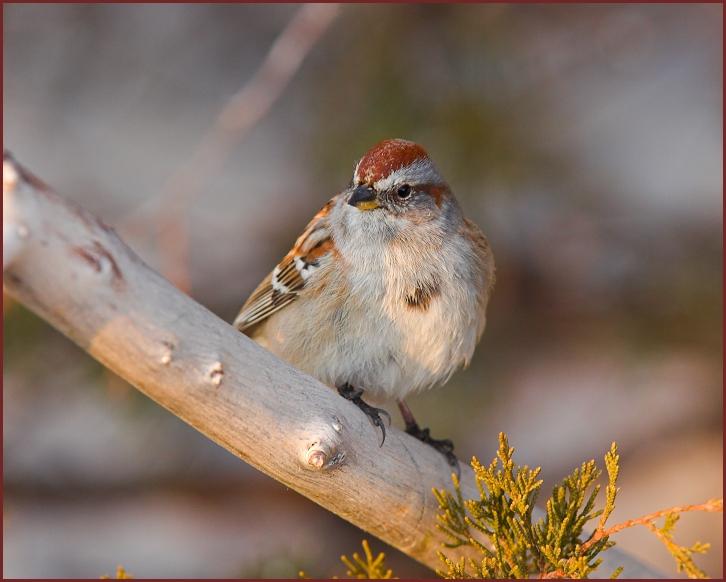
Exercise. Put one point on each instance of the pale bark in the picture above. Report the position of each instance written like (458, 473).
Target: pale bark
(73, 271)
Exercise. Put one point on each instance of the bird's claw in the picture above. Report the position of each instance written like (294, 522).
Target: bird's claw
(444, 446)
(373, 413)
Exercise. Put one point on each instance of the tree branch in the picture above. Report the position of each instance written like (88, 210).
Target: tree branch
(73, 271)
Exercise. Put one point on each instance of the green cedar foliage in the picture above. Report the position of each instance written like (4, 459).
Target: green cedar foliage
(511, 544)
(501, 527)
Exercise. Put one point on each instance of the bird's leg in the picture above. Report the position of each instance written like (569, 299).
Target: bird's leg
(374, 414)
(444, 446)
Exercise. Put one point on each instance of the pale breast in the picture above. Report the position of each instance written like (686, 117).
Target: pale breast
(391, 327)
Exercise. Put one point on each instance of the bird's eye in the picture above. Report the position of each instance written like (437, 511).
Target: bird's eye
(404, 191)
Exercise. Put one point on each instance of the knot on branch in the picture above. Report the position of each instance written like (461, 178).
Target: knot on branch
(216, 373)
(14, 230)
(101, 261)
(324, 451)
(10, 175)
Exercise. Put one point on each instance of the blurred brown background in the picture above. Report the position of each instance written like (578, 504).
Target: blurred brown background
(585, 140)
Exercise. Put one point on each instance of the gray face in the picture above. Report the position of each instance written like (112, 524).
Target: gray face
(412, 201)
(415, 193)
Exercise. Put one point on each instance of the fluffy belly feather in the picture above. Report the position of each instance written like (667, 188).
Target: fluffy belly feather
(384, 346)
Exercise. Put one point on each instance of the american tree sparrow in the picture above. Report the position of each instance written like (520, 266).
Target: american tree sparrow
(385, 292)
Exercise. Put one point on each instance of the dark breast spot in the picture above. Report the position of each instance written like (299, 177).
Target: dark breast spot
(420, 298)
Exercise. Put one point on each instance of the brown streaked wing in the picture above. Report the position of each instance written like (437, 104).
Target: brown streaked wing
(281, 287)
(486, 267)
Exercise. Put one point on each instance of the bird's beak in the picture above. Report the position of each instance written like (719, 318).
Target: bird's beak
(364, 198)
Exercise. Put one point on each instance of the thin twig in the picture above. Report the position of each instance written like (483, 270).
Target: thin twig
(551, 575)
(712, 505)
(243, 111)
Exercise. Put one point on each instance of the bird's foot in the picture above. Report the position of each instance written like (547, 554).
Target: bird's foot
(374, 414)
(444, 446)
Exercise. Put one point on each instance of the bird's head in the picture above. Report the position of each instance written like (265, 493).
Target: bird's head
(396, 178)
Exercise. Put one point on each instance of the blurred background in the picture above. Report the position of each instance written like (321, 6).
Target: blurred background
(586, 141)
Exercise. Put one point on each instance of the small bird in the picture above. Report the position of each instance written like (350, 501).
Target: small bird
(385, 292)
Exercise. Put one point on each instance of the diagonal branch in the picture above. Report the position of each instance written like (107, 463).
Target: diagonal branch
(74, 271)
